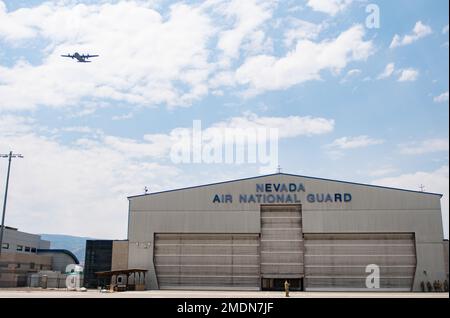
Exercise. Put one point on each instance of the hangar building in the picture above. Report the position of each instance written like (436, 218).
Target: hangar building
(257, 232)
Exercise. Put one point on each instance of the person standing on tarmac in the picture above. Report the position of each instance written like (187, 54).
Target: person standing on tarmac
(286, 288)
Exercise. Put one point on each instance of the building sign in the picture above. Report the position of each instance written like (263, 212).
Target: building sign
(282, 193)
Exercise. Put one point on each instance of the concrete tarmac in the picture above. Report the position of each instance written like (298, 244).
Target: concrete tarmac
(63, 293)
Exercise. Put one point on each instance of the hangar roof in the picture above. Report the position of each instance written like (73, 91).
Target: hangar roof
(291, 175)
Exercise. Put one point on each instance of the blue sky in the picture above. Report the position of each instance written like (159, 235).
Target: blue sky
(374, 100)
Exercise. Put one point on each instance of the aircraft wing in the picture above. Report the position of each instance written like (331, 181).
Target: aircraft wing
(68, 55)
(88, 56)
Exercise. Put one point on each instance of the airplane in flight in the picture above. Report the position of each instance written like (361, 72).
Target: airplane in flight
(81, 58)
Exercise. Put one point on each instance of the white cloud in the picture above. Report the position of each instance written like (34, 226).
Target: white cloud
(382, 171)
(122, 117)
(351, 74)
(155, 146)
(224, 78)
(12, 27)
(425, 146)
(301, 30)
(57, 187)
(78, 129)
(291, 126)
(404, 75)
(91, 177)
(173, 58)
(295, 8)
(330, 7)
(443, 98)
(10, 125)
(435, 181)
(354, 72)
(408, 75)
(388, 71)
(445, 29)
(304, 63)
(420, 31)
(248, 18)
(144, 68)
(345, 143)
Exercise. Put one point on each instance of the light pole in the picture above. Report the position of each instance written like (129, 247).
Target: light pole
(9, 156)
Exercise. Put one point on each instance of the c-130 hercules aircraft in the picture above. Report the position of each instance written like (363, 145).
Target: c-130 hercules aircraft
(81, 58)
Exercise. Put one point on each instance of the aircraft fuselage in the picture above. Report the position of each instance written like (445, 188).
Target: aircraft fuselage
(80, 58)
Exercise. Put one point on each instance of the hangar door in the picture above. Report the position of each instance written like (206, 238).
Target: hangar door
(281, 245)
(207, 261)
(338, 261)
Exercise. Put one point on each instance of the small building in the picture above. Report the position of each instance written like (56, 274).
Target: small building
(24, 254)
(104, 256)
(15, 241)
(60, 258)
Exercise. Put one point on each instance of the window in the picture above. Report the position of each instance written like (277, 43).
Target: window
(31, 265)
(19, 248)
(27, 248)
(5, 246)
(33, 250)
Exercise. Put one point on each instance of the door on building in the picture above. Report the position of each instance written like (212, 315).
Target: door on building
(339, 261)
(207, 261)
(281, 247)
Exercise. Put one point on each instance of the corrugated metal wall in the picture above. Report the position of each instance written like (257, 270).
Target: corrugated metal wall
(281, 241)
(207, 261)
(338, 261)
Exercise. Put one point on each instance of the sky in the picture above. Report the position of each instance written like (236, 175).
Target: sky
(356, 91)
